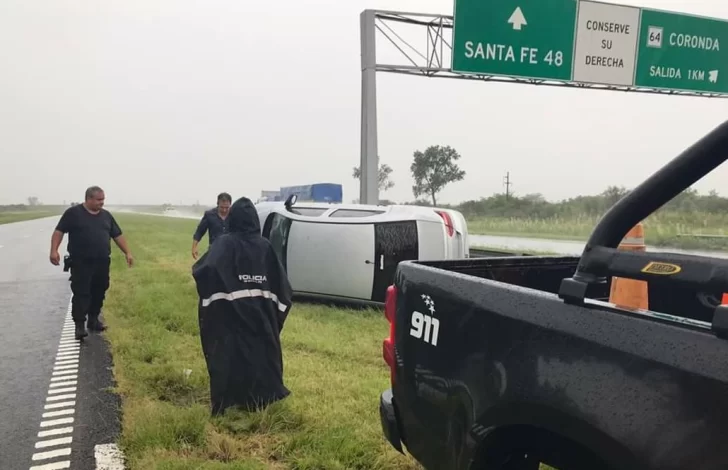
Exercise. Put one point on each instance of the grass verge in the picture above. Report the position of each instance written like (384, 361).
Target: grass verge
(21, 216)
(333, 367)
(665, 230)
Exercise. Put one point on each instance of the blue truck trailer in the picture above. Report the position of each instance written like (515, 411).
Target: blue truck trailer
(319, 192)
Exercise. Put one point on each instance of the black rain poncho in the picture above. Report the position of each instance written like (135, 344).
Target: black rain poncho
(245, 298)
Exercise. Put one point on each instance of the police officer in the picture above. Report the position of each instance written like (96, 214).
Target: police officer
(214, 221)
(90, 229)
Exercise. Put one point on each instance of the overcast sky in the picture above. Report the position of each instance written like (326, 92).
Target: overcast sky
(174, 101)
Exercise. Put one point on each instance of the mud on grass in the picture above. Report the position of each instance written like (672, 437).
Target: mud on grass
(332, 365)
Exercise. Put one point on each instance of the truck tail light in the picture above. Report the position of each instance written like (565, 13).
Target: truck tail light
(448, 222)
(390, 310)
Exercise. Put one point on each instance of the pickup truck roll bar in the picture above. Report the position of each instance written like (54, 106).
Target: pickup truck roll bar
(601, 258)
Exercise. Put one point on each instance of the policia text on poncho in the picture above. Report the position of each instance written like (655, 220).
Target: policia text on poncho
(245, 297)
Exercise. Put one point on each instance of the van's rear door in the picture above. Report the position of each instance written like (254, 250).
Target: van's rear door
(393, 242)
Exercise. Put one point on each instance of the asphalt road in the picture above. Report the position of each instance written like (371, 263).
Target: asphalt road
(55, 408)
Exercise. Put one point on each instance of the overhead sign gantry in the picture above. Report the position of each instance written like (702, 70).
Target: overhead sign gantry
(568, 43)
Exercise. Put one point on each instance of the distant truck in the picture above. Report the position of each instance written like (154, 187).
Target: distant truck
(509, 362)
(269, 196)
(319, 192)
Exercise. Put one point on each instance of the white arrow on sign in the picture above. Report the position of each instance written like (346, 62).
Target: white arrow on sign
(713, 76)
(517, 19)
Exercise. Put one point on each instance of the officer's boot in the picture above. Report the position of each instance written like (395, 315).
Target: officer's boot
(94, 324)
(80, 330)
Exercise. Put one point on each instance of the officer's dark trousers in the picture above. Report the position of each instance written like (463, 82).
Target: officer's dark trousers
(89, 282)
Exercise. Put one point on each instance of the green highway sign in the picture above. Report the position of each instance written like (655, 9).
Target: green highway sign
(590, 42)
(682, 52)
(497, 37)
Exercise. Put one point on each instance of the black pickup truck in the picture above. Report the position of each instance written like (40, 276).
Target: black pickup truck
(512, 362)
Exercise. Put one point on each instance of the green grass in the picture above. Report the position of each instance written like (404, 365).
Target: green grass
(21, 216)
(332, 364)
(661, 229)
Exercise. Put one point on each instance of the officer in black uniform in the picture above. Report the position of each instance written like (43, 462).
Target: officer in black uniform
(213, 221)
(90, 229)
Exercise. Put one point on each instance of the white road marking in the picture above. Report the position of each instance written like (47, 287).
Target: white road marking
(62, 404)
(64, 384)
(64, 372)
(64, 377)
(74, 351)
(108, 457)
(66, 354)
(64, 366)
(55, 422)
(56, 413)
(54, 442)
(66, 361)
(69, 352)
(53, 466)
(62, 390)
(52, 453)
(55, 432)
(66, 396)
(57, 418)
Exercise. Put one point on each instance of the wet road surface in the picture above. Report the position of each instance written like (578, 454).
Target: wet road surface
(55, 408)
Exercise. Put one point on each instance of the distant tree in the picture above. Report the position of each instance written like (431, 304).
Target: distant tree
(434, 169)
(33, 201)
(535, 198)
(613, 194)
(384, 182)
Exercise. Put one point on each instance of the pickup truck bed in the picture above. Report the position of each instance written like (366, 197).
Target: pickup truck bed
(545, 273)
(512, 370)
(505, 363)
